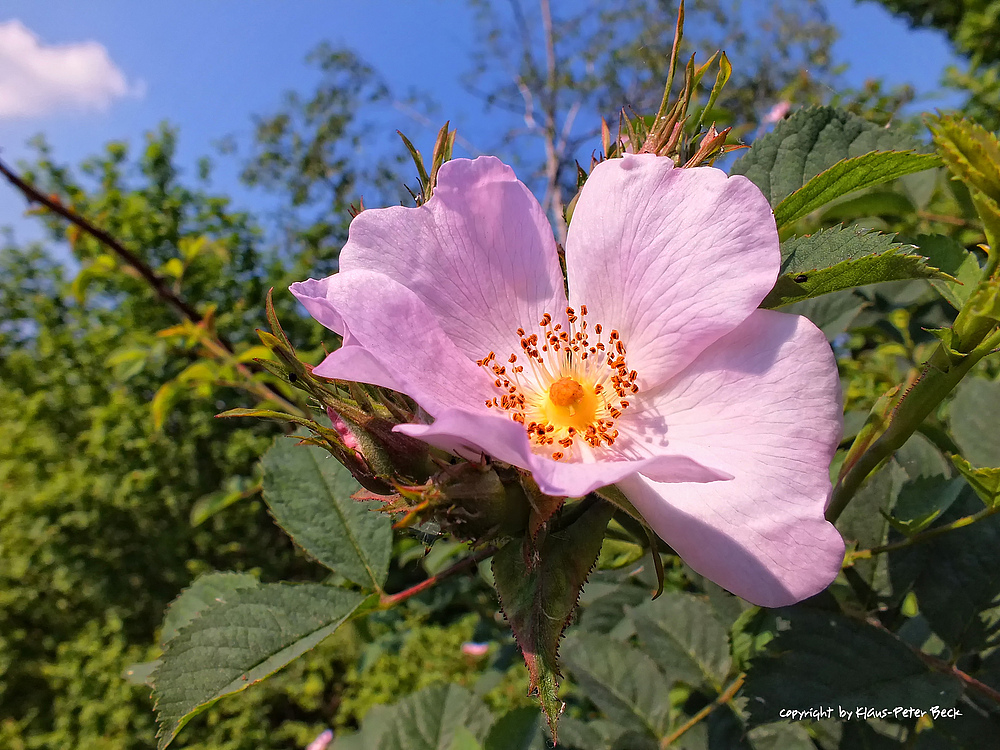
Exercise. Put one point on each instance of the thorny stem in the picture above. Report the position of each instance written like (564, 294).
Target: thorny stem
(390, 600)
(156, 282)
(723, 698)
(865, 554)
(218, 345)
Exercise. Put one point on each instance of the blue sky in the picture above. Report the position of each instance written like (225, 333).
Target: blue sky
(208, 66)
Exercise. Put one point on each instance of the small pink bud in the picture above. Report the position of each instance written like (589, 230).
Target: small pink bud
(476, 650)
(323, 739)
(342, 429)
(777, 112)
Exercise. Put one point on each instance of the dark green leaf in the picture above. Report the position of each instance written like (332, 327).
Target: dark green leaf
(809, 142)
(832, 313)
(309, 494)
(975, 414)
(847, 176)
(922, 500)
(518, 729)
(207, 591)
(945, 253)
(864, 521)
(235, 643)
(539, 598)
(841, 258)
(780, 737)
(682, 635)
(598, 734)
(621, 680)
(825, 660)
(920, 458)
(430, 719)
(605, 613)
(964, 611)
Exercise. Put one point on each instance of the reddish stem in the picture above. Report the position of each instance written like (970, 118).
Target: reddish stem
(390, 600)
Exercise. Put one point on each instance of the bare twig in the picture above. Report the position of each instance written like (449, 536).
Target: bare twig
(215, 343)
(157, 283)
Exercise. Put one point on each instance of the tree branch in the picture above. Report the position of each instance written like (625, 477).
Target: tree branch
(159, 286)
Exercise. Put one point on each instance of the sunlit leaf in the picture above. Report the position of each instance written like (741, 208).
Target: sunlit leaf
(309, 494)
(840, 258)
(235, 643)
(847, 176)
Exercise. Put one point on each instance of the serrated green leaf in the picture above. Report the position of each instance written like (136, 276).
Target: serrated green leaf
(431, 718)
(539, 599)
(682, 635)
(986, 482)
(809, 142)
(823, 659)
(921, 501)
(841, 258)
(965, 611)
(621, 680)
(236, 643)
(945, 253)
(975, 414)
(518, 729)
(207, 591)
(847, 176)
(309, 494)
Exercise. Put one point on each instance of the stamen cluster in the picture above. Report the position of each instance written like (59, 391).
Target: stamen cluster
(573, 388)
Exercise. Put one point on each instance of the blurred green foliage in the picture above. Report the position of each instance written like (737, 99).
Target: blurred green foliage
(95, 501)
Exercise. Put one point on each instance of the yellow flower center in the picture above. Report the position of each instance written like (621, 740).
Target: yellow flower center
(573, 390)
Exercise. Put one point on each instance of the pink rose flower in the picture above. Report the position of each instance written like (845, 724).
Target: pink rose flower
(659, 374)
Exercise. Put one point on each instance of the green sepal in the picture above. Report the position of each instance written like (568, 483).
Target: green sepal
(539, 587)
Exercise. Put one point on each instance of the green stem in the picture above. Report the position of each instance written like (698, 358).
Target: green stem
(924, 536)
(940, 375)
(703, 714)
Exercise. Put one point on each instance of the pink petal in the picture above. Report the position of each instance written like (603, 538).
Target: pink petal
(350, 361)
(762, 403)
(355, 363)
(671, 258)
(480, 255)
(469, 434)
(391, 335)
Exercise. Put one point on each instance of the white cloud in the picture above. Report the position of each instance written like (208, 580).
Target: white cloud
(38, 79)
